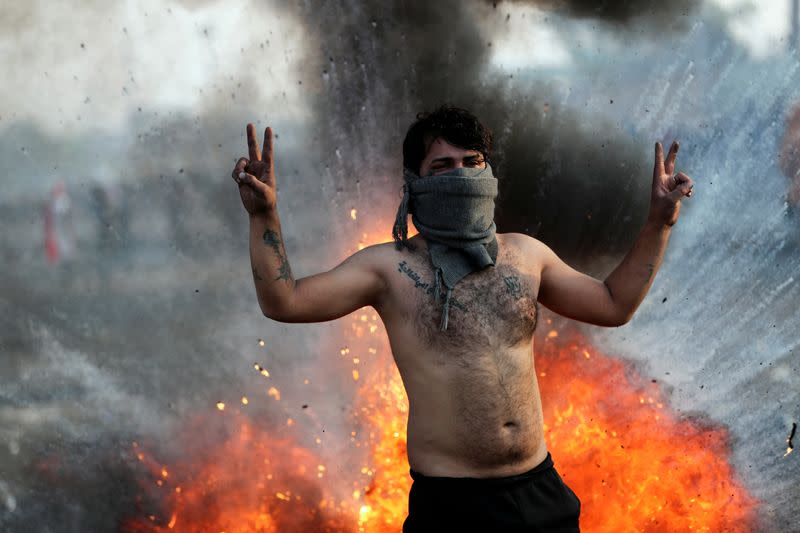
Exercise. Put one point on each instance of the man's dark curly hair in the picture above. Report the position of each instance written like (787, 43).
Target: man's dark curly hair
(457, 126)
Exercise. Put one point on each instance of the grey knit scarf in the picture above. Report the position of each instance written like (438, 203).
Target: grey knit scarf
(454, 213)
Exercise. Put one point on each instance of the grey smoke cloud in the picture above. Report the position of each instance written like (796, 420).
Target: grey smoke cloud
(422, 55)
(618, 12)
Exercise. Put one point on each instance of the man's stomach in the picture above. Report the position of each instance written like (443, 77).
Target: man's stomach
(476, 415)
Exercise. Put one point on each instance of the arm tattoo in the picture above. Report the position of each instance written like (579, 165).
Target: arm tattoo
(650, 268)
(513, 286)
(273, 240)
(256, 276)
(424, 286)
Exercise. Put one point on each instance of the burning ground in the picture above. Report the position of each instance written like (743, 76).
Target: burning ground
(635, 464)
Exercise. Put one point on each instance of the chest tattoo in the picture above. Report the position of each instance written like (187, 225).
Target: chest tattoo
(424, 286)
(513, 286)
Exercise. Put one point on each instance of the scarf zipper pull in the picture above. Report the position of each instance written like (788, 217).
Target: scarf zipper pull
(446, 311)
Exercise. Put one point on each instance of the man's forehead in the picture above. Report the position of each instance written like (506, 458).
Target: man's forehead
(439, 148)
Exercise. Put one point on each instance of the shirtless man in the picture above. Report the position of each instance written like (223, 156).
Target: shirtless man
(459, 303)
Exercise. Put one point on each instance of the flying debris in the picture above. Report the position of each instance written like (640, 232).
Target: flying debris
(789, 443)
(263, 371)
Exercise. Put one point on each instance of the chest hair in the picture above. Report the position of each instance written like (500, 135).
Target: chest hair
(491, 309)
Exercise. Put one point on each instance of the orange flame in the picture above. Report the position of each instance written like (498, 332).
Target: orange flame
(247, 482)
(636, 465)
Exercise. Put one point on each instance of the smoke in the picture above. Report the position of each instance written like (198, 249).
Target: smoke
(124, 92)
(665, 15)
(64, 418)
(367, 73)
(114, 61)
(378, 67)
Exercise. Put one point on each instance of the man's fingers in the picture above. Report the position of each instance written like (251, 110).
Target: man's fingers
(684, 186)
(241, 164)
(252, 143)
(669, 165)
(658, 170)
(681, 178)
(267, 152)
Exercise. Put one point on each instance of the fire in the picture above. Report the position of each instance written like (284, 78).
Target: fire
(247, 481)
(635, 465)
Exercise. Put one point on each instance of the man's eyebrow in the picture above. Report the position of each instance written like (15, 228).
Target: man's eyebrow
(471, 156)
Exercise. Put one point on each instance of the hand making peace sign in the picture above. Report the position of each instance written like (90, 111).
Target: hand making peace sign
(668, 188)
(256, 176)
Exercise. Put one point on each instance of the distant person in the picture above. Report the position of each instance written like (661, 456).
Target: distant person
(459, 303)
(789, 159)
(103, 210)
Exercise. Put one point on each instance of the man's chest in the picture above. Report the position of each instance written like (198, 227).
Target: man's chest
(492, 308)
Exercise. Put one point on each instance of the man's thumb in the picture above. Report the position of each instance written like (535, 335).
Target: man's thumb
(679, 192)
(250, 180)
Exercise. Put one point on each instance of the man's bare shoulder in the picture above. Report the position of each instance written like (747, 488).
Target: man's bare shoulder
(528, 247)
(385, 256)
(380, 250)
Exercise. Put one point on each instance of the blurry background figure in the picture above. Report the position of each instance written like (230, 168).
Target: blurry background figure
(789, 158)
(59, 233)
(109, 207)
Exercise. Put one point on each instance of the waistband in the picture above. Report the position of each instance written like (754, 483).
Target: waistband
(542, 467)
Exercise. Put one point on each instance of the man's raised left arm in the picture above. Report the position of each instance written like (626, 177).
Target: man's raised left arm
(613, 302)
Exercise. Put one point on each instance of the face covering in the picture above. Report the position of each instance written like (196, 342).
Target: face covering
(454, 213)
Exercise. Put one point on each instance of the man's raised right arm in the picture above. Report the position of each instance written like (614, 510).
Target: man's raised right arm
(356, 282)
(353, 284)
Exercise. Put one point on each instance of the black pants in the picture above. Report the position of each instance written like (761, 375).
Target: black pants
(537, 500)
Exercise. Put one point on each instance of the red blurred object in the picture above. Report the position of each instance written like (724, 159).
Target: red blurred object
(59, 239)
